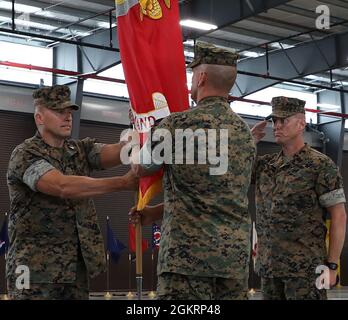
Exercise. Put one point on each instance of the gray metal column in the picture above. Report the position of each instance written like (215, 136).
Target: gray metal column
(333, 127)
(69, 57)
(76, 89)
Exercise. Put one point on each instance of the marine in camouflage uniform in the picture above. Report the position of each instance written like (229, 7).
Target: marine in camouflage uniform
(59, 239)
(205, 232)
(292, 194)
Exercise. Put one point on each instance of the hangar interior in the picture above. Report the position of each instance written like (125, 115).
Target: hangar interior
(285, 47)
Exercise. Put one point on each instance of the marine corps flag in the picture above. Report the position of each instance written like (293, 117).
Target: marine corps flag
(152, 55)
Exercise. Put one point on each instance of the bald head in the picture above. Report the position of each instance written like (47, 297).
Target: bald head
(213, 80)
(219, 77)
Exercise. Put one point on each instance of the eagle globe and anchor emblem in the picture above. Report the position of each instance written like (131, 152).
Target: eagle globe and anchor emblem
(149, 8)
(152, 8)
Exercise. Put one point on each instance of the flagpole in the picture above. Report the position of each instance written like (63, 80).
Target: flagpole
(139, 259)
(107, 295)
(152, 293)
(253, 258)
(5, 257)
(138, 246)
(130, 294)
(108, 273)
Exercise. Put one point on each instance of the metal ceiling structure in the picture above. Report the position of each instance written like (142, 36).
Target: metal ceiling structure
(254, 28)
(278, 40)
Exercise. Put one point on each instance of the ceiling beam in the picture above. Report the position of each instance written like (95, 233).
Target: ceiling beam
(304, 59)
(107, 3)
(228, 43)
(61, 9)
(222, 12)
(42, 21)
(91, 60)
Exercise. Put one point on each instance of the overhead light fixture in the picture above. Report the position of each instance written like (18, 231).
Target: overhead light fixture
(18, 7)
(27, 23)
(279, 45)
(105, 25)
(197, 25)
(251, 54)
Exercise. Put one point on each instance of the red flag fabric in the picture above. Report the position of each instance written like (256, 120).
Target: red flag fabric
(152, 55)
(131, 239)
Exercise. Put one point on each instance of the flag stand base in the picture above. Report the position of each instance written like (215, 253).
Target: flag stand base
(130, 295)
(252, 292)
(140, 287)
(152, 295)
(107, 295)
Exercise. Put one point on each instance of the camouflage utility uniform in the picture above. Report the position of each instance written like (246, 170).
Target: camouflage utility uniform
(204, 251)
(59, 240)
(291, 197)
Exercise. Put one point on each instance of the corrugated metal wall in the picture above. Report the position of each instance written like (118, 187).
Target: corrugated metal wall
(16, 127)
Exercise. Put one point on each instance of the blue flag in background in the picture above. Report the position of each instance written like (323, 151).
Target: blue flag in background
(114, 246)
(4, 241)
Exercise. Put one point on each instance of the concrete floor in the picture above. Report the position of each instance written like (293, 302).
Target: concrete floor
(335, 294)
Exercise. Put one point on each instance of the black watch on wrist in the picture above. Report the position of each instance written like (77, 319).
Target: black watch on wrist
(331, 265)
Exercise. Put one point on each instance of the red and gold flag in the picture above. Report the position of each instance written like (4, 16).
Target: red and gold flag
(152, 55)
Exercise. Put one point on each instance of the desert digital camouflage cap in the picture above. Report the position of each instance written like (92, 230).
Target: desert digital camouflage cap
(206, 53)
(56, 97)
(283, 107)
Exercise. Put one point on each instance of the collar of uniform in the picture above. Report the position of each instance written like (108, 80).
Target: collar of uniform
(38, 135)
(68, 147)
(208, 100)
(300, 155)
